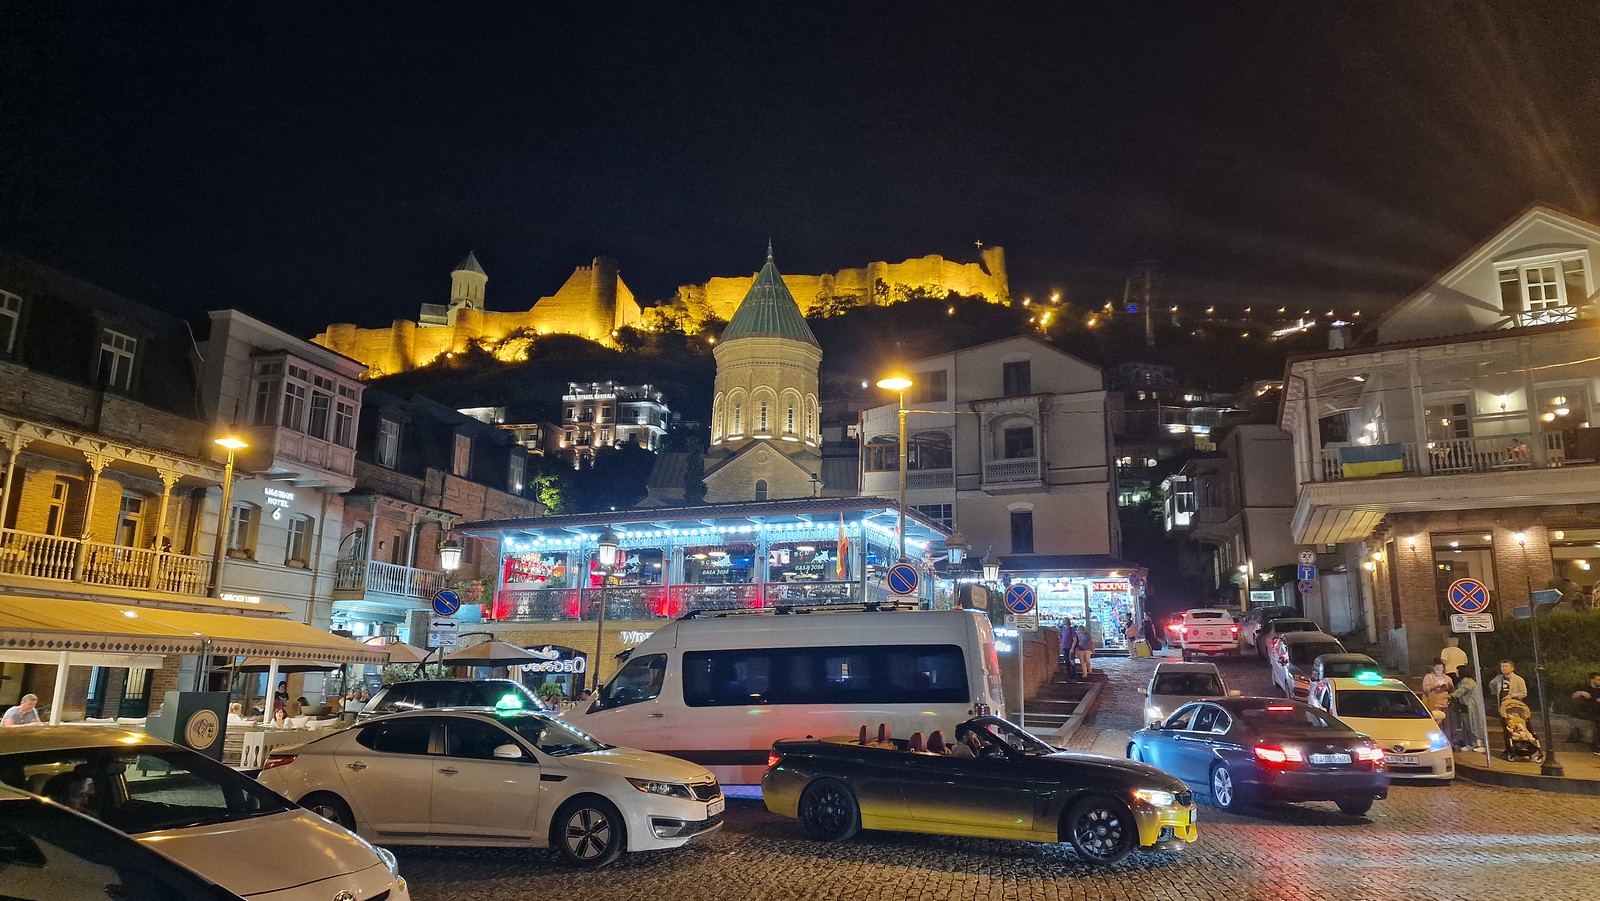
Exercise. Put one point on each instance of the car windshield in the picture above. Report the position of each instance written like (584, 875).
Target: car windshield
(1306, 651)
(1293, 625)
(1197, 615)
(1287, 716)
(1382, 704)
(1189, 684)
(552, 736)
(1015, 741)
(144, 789)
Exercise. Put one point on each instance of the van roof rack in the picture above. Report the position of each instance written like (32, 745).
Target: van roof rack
(787, 609)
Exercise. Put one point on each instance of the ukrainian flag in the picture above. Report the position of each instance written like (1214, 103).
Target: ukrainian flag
(1377, 460)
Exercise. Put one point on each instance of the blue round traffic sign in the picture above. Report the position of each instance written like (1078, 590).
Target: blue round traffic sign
(446, 602)
(1020, 598)
(903, 578)
(1469, 596)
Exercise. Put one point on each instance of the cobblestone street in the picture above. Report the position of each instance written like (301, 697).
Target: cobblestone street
(1461, 841)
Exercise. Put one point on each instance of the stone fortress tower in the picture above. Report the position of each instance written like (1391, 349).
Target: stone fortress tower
(764, 412)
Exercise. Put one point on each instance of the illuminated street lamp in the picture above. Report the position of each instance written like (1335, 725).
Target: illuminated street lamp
(605, 556)
(956, 547)
(449, 554)
(899, 384)
(219, 550)
(991, 567)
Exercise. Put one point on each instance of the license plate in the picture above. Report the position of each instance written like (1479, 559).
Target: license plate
(715, 807)
(1330, 758)
(1405, 759)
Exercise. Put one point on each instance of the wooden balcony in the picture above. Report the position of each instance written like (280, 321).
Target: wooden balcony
(36, 556)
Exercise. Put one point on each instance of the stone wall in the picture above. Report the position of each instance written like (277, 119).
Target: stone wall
(29, 394)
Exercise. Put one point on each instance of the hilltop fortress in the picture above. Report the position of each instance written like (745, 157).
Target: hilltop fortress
(594, 303)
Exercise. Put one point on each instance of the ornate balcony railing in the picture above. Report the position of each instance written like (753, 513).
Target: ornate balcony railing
(1000, 471)
(665, 602)
(96, 563)
(1460, 455)
(357, 578)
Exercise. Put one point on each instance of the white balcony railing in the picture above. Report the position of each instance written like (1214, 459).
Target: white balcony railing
(53, 557)
(1459, 455)
(358, 578)
(1002, 471)
(919, 479)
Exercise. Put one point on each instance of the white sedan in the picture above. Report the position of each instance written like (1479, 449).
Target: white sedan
(505, 778)
(1392, 715)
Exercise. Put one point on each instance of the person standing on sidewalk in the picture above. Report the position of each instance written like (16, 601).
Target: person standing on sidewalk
(1474, 726)
(1588, 703)
(1436, 688)
(1508, 686)
(1454, 658)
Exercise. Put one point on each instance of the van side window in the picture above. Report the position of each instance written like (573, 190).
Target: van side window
(910, 674)
(639, 680)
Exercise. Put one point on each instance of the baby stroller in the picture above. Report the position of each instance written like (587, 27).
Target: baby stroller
(1521, 744)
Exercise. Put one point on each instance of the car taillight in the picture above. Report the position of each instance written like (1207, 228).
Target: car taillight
(1275, 754)
(1371, 753)
(772, 760)
(277, 760)
(1234, 629)
(1174, 627)
(1183, 630)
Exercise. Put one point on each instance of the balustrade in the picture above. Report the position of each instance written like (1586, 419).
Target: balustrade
(54, 557)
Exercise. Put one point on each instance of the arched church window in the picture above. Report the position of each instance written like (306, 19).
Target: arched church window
(761, 489)
(738, 419)
(762, 422)
(789, 423)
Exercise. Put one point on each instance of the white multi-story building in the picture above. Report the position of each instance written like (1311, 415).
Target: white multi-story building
(606, 414)
(1462, 444)
(1008, 442)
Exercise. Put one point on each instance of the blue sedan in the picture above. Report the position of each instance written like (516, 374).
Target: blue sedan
(1265, 749)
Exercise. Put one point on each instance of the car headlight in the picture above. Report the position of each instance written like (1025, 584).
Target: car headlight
(655, 787)
(1438, 741)
(1155, 797)
(387, 856)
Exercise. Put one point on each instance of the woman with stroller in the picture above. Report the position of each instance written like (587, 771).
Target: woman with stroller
(1472, 725)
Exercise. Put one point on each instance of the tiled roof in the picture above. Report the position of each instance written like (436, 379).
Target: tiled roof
(769, 311)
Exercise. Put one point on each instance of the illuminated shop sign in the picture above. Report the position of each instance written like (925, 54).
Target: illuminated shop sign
(1111, 586)
(277, 497)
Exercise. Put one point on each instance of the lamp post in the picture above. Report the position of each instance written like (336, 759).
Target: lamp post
(991, 568)
(219, 550)
(956, 550)
(449, 554)
(899, 384)
(1549, 766)
(606, 556)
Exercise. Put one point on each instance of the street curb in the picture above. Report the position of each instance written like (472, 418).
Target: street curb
(1556, 784)
(1079, 714)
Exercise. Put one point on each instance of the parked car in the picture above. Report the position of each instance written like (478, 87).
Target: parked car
(1174, 684)
(994, 781)
(1252, 622)
(1259, 749)
(1391, 714)
(1208, 630)
(1292, 657)
(48, 850)
(198, 812)
(1286, 625)
(505, 778)
(429, 694)
(1342, 666)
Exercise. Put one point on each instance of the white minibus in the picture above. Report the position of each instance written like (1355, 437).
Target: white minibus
(720, 689)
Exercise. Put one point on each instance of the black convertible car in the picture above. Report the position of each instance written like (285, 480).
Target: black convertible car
(1266, 749)
(991, 780)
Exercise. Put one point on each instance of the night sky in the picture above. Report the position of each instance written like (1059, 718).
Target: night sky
(331, 162)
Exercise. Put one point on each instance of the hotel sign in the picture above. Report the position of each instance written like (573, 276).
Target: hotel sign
(277, 497)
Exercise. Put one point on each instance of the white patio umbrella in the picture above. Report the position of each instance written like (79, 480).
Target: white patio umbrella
(492, 653)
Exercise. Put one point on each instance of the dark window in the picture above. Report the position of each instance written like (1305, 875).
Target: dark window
(1190, 684)
(928, 450)
(930, 386)
(406, 737)
(909, 674)
(1302, 653)
(1022, 531)
(639, 680)
(1206, 719)
(1018, 378)
(473, 739)
(396, 698)
(1182, 718)
(1019, 442)
(761, 489)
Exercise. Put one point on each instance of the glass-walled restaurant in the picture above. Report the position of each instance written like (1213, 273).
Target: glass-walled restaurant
(671, 561)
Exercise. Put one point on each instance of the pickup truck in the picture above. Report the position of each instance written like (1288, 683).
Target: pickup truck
(1208, 630)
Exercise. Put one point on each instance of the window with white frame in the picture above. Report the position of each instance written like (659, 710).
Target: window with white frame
(518, 473)
(130, 520)
(461, 457)
(344, 422)
(788, 426)
(294, 396)
(943, 514)
(320, 416)
(297, 551)
(761, 423)
(388, 442)
(1544, 291)
(242, 521)
(117, 352)
(10, 320)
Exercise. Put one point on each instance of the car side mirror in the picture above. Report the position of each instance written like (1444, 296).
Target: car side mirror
(1234, 693)
(1438, 716)
(508, 752)
(1145, 691)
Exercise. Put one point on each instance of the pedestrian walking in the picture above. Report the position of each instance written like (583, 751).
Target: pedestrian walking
(1473, 725)
(1085, 650)
(1069, 645)
(1151, 635)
